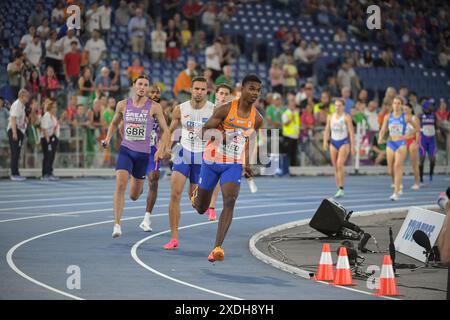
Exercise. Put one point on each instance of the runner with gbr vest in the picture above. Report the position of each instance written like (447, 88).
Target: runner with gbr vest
(232, 125)
(396, 123)
(190, 116)
(342, 142)
(137, 113)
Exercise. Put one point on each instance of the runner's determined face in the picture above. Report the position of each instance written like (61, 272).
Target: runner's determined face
(222, 96)
(251, 92)
(141, 87)
(155, 94)
(199, 91)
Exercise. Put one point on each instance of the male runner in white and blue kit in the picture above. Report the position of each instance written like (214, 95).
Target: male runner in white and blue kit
(137, 113)
(191, 116)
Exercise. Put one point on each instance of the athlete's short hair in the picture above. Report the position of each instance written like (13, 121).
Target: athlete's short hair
(142, 76)
(225, 86)
(251, 78)
(339, 100)
(198, 79)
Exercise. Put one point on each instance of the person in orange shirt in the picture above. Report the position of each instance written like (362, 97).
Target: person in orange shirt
(182, 85)
(135, 70)
(235, 124)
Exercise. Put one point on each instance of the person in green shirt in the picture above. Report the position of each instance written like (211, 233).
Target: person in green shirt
(108, 115)
(274, 112)
(224, 78)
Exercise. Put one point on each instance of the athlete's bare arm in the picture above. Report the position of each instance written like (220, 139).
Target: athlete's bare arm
(176, 119)
(326, 134)
(156, 112)
(383, 129)
(118, 116)
(219, 114)
(247, 165)
(351, 133)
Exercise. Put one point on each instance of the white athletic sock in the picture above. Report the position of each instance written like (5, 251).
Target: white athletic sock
(147, 217)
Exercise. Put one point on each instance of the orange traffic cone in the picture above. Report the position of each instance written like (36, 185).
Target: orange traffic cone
(325, 271)
(388, 287)
(343, 275)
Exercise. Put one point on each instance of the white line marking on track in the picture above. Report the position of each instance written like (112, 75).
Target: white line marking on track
(10, 261)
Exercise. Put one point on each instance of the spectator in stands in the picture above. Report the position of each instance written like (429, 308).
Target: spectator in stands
(15, 71)
(363, 96)
(274, 112)
(50, 130)
(137, 28)
(347, 78)
(372, 117)
(54, 53)
(93, 16)
(199, 44)
(4, 115)
(386, 108)
(225, 77)
(290, 74)
(186, 34)
(66, 41)
(307, 121)
(313, 52)
(43, 30)
(33, 52)
(213, 58)
(173, 42)
(385, 60)
(96, 48)
(94, 131)
(107, 117)
(17, 126)
(86, 87)
(115, 80)
(182, 85)
(72, 66)
(209, 18)
(159, 38)
(389, 95)
(324, 104)
(68, 115)
(332, 86)
(122, 14)
(276, 77)
(28, 38)
(103, 82)
(135, 70)
(366, 60)
(50, 84)
(37, 15)
(358, 113)
(346, 96)
(444, 58)
(410, 50)
(230, 51)
(355, 58)
(57, 15)
(403, 92)
(210, 86)
(192, 10)
(306, 95)
(340, 35)
(105, 11)
(413, 101)
(378, 152)
(170, 8)
(290, 120)
(442, 113)
(228, 11)
(33, 84)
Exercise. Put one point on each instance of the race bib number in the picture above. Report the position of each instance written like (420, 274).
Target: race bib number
(153, 138)
(135, 131)
(234, 145)
(428, 131)
(395, 129)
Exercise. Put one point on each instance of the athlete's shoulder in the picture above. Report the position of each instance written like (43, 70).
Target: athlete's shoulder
(224, 108)
(121, 105)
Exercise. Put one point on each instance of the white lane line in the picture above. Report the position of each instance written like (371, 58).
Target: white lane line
(10, 261)
(142, 199)
(251, 199)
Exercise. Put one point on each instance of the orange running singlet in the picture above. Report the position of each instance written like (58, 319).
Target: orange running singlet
(235, 131)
